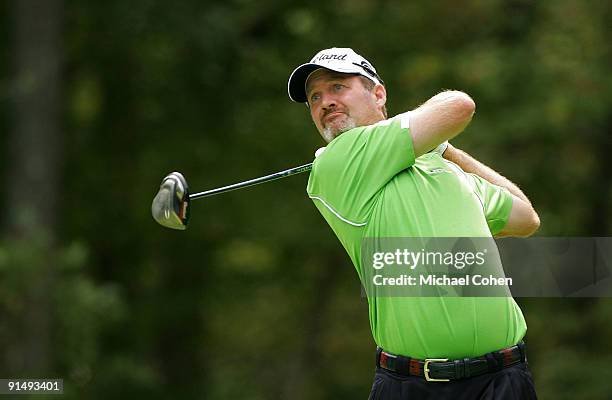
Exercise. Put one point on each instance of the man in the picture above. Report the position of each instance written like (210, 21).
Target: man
(377, 177)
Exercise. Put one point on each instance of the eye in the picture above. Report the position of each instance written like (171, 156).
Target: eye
(314, 97)
(338, 87)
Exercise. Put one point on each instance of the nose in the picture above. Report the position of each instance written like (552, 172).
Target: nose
(328, 101)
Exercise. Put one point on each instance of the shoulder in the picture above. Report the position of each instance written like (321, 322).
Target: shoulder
(400, 120)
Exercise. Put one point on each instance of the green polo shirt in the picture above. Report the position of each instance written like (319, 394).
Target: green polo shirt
(367, 184)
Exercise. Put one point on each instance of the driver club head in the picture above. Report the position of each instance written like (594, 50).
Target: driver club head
(170, 207)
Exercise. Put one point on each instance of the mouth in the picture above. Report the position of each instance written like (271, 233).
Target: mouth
(329, 117)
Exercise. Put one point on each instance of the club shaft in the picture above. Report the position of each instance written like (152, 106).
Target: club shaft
(240, 185)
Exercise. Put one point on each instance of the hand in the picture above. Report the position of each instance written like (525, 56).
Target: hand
(441, 148)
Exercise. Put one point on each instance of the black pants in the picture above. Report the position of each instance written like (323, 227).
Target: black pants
(514, 382)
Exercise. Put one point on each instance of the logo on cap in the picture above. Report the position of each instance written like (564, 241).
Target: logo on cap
(323, 57)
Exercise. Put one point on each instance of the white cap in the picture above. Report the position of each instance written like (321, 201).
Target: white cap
(337, 59)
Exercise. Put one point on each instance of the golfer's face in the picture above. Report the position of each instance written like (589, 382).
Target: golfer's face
(339, 102)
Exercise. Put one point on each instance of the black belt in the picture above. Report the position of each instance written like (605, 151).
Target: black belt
(444, 370)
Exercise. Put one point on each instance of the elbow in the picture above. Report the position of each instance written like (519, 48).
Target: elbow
(461, 111)
(535, 223)
(531, 226)
(464, 105)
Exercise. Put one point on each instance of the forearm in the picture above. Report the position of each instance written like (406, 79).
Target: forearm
(440, 118)
(471, 165)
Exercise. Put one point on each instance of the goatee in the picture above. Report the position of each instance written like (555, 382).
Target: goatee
(330, 133)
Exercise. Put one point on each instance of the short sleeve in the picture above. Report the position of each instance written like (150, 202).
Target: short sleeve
(496, 202)
(358, 164)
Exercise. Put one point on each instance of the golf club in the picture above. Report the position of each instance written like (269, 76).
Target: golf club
(170, 207)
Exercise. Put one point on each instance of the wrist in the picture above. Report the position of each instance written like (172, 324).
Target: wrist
(441, 148)
(450, 153)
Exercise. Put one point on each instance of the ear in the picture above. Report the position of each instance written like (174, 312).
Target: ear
(381, 95)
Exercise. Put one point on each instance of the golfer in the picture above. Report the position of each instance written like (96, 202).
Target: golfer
(378, 177)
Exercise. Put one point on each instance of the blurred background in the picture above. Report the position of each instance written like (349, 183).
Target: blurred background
(257, 299)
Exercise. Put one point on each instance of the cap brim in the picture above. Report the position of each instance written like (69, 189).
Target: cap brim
(297, 82)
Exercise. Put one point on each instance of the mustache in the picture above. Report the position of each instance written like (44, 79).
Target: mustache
(331, 110)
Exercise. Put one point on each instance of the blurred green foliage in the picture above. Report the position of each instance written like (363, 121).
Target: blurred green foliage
(257, 300)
